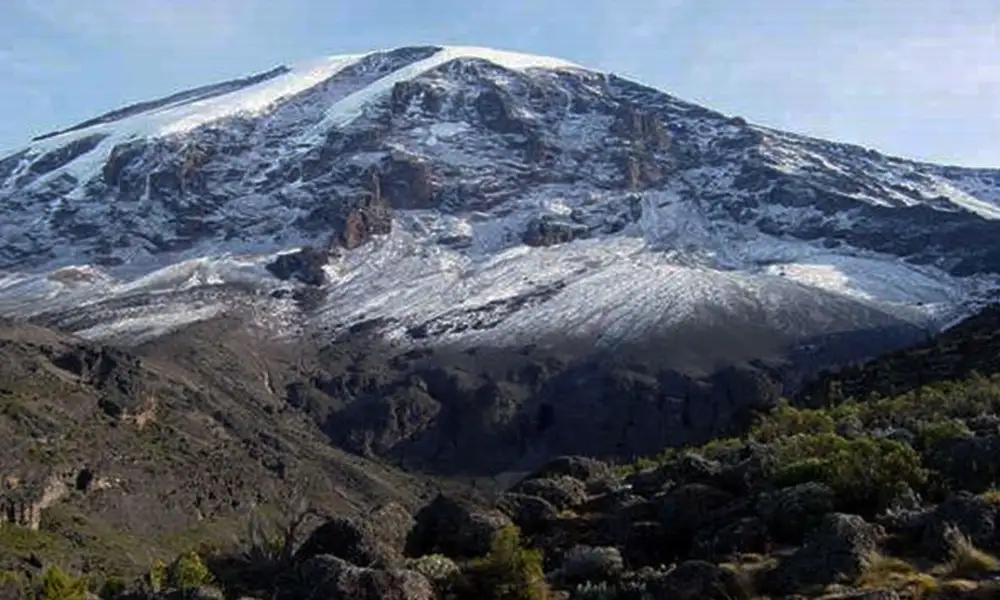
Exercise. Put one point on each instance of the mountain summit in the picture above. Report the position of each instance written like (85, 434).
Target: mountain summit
(467, 196)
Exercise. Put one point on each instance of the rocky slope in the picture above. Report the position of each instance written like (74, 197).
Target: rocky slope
(893, 497)
(116, 457)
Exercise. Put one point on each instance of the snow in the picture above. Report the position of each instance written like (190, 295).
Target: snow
(346, 110)
(257, 98)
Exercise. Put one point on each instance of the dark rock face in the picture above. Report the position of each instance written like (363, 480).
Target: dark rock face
(63, 156)
(406, 183)
(305, 265)
(476, 412)
(368, 217)
(547, 231)
(114, 373)
(9, 164)
(497, 113)
(640, 127)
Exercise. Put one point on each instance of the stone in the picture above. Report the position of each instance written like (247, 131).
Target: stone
(455, 528)
(838, 551)
(563, 492)
(349, 539)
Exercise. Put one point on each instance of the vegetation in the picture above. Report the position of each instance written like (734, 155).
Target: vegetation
(897, 575)
(187, 571)
(58, 585)
(865, 473)
(508, 572)
(966, 560)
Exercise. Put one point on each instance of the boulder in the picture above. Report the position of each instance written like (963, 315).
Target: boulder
(305, 265)
(864, 595)
(529, 513)
(690, 507)
(203, 592)
(965, 513)
(969, 463)
(579, 467)
(563, 491)
(548, 231)
(645, 544)
(352, 540)
(838, 551)
(391, 522)
(331, 578)
(790, 513)
(455, 528)
(698, 580)
(746, 535)
(588, 563)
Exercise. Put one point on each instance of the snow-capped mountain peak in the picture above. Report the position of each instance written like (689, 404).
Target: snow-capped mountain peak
(475, 196)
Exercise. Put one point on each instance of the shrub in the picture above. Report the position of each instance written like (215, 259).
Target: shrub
(59, 585)
(187, 571)
(787, 420)
(930, 434)
(156, 576)
(508, 572)
(864, 472)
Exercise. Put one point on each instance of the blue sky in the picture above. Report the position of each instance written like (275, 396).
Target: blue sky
(917, 78)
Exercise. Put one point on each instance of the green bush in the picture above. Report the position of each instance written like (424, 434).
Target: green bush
(787, 420)
(930, 434)
(508, 572)
(187, 571)
(156, 577)
(864, 472)
(56, 584)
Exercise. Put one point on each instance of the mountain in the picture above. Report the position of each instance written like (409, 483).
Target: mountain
(491, 257)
